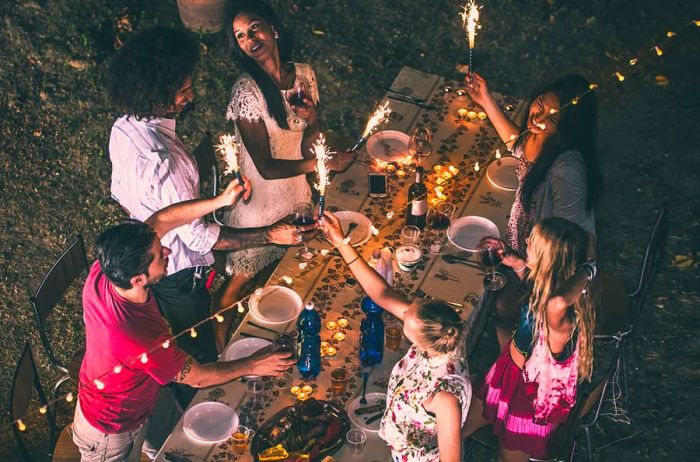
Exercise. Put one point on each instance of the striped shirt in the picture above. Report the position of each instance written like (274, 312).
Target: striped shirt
(152, 169)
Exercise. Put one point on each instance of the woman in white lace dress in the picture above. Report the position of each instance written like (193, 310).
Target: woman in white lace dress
(275, 137)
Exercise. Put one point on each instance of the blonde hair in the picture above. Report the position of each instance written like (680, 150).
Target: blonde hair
(441, 327)
(558, 246)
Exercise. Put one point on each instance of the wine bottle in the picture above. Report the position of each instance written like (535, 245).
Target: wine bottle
(417, 201)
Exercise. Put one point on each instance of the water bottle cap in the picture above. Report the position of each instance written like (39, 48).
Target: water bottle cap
(309, 306)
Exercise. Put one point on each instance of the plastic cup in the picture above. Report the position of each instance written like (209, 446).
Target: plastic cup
(394, 334)
(241, 439)
(356, 439)
(339, 380)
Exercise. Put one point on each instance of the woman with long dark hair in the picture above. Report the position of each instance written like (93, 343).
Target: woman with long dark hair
(557, 170)
(275, 135)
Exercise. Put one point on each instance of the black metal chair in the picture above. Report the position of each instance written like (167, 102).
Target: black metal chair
(25, 383)
(205, 156)
(583, 416)
(71, 265)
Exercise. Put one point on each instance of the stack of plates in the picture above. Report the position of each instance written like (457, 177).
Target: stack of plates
(210, 422)
(466, 232)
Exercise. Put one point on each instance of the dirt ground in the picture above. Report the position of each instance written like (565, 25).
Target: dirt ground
(55, 121)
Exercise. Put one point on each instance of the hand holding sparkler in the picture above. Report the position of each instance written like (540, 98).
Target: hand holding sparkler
(470, 23)
(323, 155)
(229, 149)
(380, 116)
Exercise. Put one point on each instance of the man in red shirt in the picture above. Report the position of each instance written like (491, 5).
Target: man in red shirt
(122, 401)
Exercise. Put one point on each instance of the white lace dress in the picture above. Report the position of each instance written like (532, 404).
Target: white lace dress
(271, 200)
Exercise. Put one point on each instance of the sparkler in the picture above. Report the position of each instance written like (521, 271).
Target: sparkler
(470, 23)
(228, 148)
(323, 154)
(380, 116)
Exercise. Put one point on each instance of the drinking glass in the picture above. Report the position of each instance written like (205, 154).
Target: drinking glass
(299, 89)
(356, 439)
(339, 380)
(421, 143)
(303, 214)
(241, 439)
(254, 387)
(488, 250)
(394, 334)
(438, 219)
(285, 342)
(410, 235)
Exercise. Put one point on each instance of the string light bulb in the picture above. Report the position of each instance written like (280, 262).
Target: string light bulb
(593, 86)
(21, 425)
(697, 22)
(389, 215)
(476, 167)
(670, 34)
(658, 50)
(165, 346)
(287, 279)
(619, 76)
(69, 397)
(43, 410)
(193, 333)
(99, 384)
(219, 317)
(117, 369)
(240, 307)
(553, 110)
(633, 61)
(575, 100)
(498, 153)
(144, 357)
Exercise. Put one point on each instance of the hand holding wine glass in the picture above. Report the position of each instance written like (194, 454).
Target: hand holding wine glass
(491, 251)
(303, 215)
(299, 97)
(421, 143)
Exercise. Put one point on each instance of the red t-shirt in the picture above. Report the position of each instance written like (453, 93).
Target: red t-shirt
(116, 331)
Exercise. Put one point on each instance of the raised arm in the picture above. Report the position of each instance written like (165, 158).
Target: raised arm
(373, 284)
(448, 416)
(181, 213)
(479, 92)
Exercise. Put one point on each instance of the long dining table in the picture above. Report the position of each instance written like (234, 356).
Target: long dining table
(460, 140)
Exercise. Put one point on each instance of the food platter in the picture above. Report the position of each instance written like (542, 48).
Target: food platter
(314, 428)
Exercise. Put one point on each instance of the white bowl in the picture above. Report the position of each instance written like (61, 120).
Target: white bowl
(275, 305)
(210, 422)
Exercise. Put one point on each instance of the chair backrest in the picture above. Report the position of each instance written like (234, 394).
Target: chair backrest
(68, 267)
(652, 254)
(26, 381)
(613, 304)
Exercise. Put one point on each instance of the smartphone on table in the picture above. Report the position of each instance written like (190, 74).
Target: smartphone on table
(377, 185)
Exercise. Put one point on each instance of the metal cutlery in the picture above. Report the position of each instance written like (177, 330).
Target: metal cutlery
(365, 377)
(454, 259)
(411, 100)
(421, 294)
(262, 327)
(247, 335)
(407, 96)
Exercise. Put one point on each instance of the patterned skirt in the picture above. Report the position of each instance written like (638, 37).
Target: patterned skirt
(508, 408)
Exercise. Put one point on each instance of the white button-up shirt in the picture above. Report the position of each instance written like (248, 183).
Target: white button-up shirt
(152, 169)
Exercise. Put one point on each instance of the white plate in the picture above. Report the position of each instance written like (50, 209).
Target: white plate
(275, 305)
(359, 420)
(466, 232)
(501, 173)
(244, 348)
(210, 422)
(388, 145)
(362, 232)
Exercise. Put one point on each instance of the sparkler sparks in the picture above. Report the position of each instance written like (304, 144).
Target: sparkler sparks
(470, 23)
(380, 116)
(323, 154)
(228, 148)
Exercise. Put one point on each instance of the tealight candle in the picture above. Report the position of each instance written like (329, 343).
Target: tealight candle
(476, 167)
(446, 175)
(471, 115)
(481, 115)
(462, 112)
(308, 389)
(331, 351)
(435, 201)
(339, 336)
(461, 93)
(302, 396)
(440, 195)
(325, 345)
(391, 168)
(325, 252)
(440, 181)
(401, 173)
(343, 323)
(295, 390)
(453, 170)
(437, 168)
(331, 325)
(498, 153)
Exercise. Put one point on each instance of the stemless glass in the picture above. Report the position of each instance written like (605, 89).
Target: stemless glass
(299, 89)
(304, 215)
(241, 438)
(438, 219)
(421, 143)
(285, 342)
(488, 250)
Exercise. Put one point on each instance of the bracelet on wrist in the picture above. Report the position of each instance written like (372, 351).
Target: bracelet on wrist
(353, 260)
(521, 269)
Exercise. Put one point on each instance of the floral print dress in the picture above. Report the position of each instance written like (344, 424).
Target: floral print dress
(407, 427)
(521, 221)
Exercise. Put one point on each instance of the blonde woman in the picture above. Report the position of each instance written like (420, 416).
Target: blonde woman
(429, 390)
(531, 388)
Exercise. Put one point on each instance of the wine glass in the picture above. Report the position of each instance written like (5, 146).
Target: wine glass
(438, 219)
(421, 143)
(298, 90)
(285, 342)
(304, 215)
(488, 250)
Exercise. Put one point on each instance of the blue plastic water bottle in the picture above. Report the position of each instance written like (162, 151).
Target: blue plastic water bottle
(309, 327)
(371, 333)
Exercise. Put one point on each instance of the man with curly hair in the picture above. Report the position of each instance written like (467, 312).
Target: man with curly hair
(150, 80)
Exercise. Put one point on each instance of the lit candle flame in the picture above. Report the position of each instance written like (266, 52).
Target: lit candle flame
(658, 50)
(470, 21)
(619, 76)
(380, 116)
(633, 61)
(287, 279)
(498, 153)
(476, 167)
(323, 154)
(325, 252)
(228, 148)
